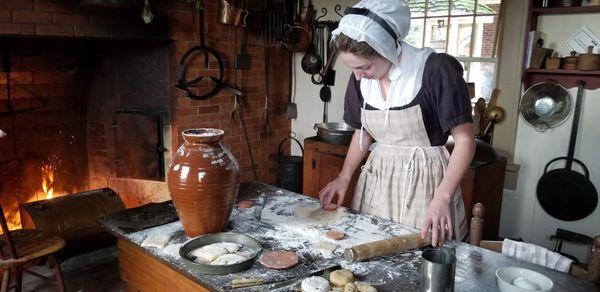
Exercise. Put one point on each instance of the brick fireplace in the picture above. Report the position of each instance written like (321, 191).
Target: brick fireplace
(89, 86)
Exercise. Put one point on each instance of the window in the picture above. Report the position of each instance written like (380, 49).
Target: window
(466, 29)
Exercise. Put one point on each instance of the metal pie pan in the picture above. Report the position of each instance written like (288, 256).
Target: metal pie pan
(207, 239)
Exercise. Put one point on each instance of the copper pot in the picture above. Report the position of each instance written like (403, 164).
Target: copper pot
(203, 179)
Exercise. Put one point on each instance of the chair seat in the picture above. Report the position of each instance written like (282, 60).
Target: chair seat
(30, 244)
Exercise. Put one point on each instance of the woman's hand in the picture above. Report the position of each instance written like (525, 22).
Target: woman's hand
(337, 187)
(439, 219)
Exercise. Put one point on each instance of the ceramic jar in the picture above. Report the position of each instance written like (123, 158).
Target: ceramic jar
(203, 178)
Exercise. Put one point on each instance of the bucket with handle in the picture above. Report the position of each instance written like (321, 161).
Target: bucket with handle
(289, 168)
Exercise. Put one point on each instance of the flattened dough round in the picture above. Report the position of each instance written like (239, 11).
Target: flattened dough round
(315, 284)
(315, 215)
(228, 259)
(279, 259)
(339, 278)
(334, 234)
(245, 204)
(364, 287)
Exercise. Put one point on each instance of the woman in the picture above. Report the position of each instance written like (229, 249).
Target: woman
(409, 101)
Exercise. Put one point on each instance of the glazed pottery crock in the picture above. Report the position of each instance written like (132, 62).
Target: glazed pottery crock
(203, 178)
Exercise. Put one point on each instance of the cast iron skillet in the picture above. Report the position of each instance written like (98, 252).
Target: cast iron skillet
(564, 193)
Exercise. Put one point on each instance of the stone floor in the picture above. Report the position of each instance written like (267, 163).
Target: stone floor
(94, 271)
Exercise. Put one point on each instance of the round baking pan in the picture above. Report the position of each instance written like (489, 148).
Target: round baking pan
(207, 239)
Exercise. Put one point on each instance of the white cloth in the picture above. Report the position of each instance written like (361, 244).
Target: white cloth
(536, 254)
(363, 29)
(406, 79)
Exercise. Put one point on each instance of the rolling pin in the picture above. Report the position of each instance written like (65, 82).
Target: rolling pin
(382, 247)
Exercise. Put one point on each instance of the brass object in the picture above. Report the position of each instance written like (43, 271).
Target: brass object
(545, 105)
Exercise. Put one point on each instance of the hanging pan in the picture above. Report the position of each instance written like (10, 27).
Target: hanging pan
(566, 194)
(545, 105)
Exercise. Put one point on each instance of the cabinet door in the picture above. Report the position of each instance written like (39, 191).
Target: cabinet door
(324, 168)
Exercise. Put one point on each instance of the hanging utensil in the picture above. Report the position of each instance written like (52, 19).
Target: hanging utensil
(291, 109)
(563, 193)
(267, 125)
(147, 15)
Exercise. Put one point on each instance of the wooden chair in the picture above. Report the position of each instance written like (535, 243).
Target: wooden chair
(590, 271)
(20, 247)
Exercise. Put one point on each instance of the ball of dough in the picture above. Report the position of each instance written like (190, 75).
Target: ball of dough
(228, 259)
(315, 284)
(364, 287)
(339, 278)
(231, 247)
(350, 287)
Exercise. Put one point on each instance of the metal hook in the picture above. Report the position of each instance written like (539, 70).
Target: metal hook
(324, 11)
(337, 9)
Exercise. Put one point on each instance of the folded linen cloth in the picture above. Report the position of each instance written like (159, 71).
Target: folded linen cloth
(536, 254)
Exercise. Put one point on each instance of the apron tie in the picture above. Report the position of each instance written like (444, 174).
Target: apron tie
(362, 126)
(409, 178)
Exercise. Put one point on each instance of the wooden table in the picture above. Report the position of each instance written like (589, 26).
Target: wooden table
(154, 269)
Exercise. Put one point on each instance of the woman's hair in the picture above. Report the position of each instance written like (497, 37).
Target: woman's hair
(344, 43)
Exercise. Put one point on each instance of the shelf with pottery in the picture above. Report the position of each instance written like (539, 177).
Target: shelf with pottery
(567, 78)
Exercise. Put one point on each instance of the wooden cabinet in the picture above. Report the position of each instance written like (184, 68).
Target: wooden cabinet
(483, 183)
(567, 78)
(322, 164)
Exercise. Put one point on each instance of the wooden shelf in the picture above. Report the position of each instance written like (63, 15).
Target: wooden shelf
(567, 78)
(563, 10)
(561, 71)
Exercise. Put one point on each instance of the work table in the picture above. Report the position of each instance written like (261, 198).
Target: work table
(400, 272)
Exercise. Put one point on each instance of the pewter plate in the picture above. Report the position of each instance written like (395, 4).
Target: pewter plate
(545, 105)
(207, 239)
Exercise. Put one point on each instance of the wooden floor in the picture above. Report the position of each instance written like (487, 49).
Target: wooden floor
(94, 271)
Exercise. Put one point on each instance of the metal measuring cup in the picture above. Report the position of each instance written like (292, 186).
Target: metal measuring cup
(438, 267)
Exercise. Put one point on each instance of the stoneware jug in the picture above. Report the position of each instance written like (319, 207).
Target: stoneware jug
(203, 178)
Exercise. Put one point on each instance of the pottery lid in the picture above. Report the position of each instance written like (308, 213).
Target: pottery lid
(202, 135)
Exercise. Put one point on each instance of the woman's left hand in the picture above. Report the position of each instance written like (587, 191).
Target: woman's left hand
(439, 219)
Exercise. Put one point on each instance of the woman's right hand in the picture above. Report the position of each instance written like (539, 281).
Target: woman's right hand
(337, 187)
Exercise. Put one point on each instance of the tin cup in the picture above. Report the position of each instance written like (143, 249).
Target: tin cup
(438, 267)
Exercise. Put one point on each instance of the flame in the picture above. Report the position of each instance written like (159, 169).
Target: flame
(48, 180)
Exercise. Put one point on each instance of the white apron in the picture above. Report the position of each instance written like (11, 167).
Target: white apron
(402, 173)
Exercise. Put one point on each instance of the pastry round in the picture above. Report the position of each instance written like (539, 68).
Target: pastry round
(315, 284)
(339, 278)
(364, 287)
(279, 259)
(350, 287)
(245, 204)
(335, 235)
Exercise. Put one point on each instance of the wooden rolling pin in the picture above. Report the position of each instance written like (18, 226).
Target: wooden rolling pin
(396, 244)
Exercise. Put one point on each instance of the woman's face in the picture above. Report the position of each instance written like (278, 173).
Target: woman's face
(370, 68)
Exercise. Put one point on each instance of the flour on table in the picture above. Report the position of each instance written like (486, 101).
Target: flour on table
(325, 248)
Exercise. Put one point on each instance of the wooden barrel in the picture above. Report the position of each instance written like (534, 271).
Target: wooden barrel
(74, 218)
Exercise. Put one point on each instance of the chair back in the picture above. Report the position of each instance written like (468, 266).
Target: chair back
(6, 234)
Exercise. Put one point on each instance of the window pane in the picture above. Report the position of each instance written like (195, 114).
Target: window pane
(459, 39)
(417, 8)
(485, 36)
(435, 33)
(437, 8)
(482, 74)
(488, 6)
(415, 34)
(463, 7)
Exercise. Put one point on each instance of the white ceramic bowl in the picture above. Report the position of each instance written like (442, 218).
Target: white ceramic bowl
(526, 280)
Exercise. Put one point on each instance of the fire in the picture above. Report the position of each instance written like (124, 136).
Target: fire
(48, 180)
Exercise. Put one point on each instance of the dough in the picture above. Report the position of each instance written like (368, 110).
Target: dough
(245, 204)
(339, 278)
(334, 234)
(228, 259)
(364, 287)
(156, 240)
(350, 287)
(245, 252)
(208, 253)
(231, 247)
(279, 259)
(325, 248)
(315, 215)
(315, 284)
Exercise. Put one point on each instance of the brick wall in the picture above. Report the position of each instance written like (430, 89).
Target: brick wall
(68, 23)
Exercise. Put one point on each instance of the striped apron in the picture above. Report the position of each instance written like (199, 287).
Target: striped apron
(403, 171)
